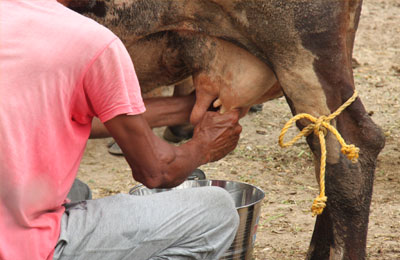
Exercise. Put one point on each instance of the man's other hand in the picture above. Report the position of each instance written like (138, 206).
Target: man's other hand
(219, 134)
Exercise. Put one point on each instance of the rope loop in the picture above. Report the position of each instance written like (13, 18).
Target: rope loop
(320, 127)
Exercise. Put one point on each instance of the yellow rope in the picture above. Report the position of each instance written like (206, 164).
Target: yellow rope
(320, 126)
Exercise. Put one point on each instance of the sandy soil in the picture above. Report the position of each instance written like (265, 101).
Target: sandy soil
(287, 175)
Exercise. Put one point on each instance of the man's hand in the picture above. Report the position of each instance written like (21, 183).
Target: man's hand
(158, 164)
(218, 134)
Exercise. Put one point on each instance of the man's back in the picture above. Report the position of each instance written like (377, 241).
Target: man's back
(57, 71)
(45, 50)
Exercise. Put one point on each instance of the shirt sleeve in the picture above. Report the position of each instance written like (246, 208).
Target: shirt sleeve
(111, 84)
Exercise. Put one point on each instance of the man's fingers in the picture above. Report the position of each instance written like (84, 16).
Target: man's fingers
(231, 117)
(222, 132)
(237, 130)
(203, 101)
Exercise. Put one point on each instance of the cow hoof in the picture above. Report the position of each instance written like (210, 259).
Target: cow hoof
(178, 134)
(256, 108)
(114, 149)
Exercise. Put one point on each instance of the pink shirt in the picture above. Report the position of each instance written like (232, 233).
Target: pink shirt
(58, 70)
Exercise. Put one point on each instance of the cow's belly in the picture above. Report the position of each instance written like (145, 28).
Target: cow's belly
(156, 62)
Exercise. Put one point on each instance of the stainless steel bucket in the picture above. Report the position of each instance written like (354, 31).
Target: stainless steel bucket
(248, 204)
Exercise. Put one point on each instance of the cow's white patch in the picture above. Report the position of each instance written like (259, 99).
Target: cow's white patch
(302, 86)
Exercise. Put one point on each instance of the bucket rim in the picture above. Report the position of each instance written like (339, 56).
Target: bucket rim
(139, 186)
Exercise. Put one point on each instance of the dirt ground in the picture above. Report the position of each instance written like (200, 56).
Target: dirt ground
(287, 175)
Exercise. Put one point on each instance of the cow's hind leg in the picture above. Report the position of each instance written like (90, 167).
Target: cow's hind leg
(314, 84)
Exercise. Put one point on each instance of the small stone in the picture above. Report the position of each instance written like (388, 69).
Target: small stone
(261, 132)
(396, 69)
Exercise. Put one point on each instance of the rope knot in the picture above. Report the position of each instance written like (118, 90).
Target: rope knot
(318, 205)
(351, 152)
(319, 125)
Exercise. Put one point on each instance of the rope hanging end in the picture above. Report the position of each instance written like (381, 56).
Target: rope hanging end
(318, 205)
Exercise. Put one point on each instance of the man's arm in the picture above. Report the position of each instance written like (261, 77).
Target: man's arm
(156, 163)
(160, 111)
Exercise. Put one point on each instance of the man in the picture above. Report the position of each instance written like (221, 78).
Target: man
(58, 70)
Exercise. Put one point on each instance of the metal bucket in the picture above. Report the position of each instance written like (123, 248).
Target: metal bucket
(248, 204)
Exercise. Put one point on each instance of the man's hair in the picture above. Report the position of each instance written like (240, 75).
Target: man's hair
(96, 7)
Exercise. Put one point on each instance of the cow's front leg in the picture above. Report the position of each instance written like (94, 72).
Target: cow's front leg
(349, 188)
(341, 230)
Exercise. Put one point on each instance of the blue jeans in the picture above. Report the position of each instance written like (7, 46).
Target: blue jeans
(197, 223)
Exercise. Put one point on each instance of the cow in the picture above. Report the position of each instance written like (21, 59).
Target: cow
(241, 52)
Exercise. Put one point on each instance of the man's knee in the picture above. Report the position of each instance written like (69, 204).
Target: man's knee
(220, 206)
(79, 191)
